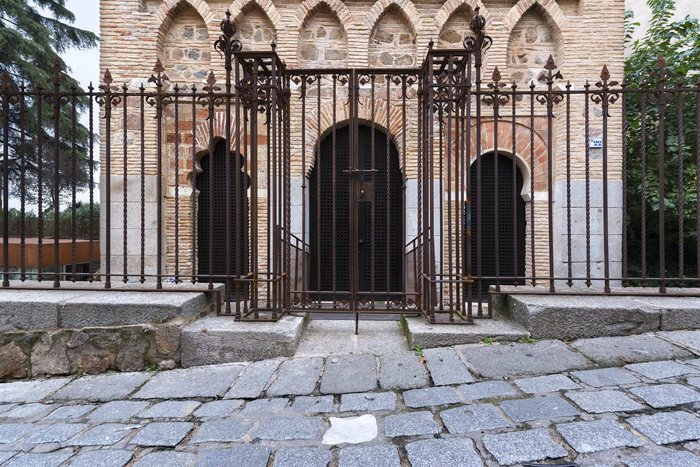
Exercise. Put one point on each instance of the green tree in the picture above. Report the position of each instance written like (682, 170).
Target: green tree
(678, 42)
(32, 35)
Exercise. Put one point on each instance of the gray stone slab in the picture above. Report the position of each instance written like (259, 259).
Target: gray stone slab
(604, 401)
(212, 381)
(313, 404)
(221, 431)
(220, 339)
(5, 455)
(31, 309)
(6, 407)
(597, 435)
(266, 406)
(402, 371)
(218, 409)
(410, 424)
(167, 458)
(430, 397)
(170, 409)
(560, 317)
(302, 456)
(118, 410)
(28, 412)
(104, 435)
(379, 455)
(614, 351)
(11, 432)
(688, 339)
(164, 434)
(446, 367)
(667, 459)
(296, 377)
(323, 337)
(666, 395)
(473, 418)
(523, 446)
(243, 455)
(30, 391)
(51, 459)
(538, 408)
(547, 383)
(676, 312)
(667, 427)
(103, 458)
(102, 388)
(486, 390)
(662, 369)
(253, 380)
(290, 428)
(349, 373)
(427, 335)
(540, 358)
(446, 452)
(695, 381)
(71, 411)
(605, 377)
(368, 402)
(56, 433)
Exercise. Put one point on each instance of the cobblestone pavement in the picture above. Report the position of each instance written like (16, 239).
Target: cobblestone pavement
(610, 401)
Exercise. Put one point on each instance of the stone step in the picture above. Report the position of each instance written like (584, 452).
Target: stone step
(498, 329)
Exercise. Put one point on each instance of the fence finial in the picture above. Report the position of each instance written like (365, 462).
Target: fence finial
(107, 78)
(56, 73)
(159, 74)
(5, 81)
(496, 76)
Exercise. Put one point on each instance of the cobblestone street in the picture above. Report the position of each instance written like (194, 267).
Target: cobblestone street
(607, 401)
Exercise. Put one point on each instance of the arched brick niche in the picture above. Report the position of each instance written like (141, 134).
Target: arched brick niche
(532, 40)
(392, 41)
(255, 29)
(455, 29)
(184, 46)
(323, 41)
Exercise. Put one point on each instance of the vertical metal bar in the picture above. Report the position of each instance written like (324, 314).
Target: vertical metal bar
(318, 188)
(496, 218)
(643, 183)
(533, 269)
(681, 189)
(697, 177)
(56, 180)
(448, 153)
(354, 91)
(625, 218)
(334, 186)
(661, 99)
(586, 96)
(91, 166)
(74, 181)
(210, 187)
(514, 181)
(125, 182)
(550, 185)
(142, 171)
(5, 183)
(193, 214)
(23, 181)
(606, 246)
(404, 129)
(240, 232)
(305, 282)
(176, 104)
(467, 186)
(479, 232)
(229, 214)
(254, 187)
(40, 188)
(569, 266)
(159, 184)
(374, 194)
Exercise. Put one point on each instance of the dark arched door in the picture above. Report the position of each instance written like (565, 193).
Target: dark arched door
(212, 212)
(509, 217)
(379, 211)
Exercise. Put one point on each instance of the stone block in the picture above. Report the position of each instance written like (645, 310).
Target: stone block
(486, 390)
(368, 402)
(266, 406)
(603, 377)
(117, 410)
(170, 409)
(687, 339)
(221, 339)
(667, 427)
(105, 457)
(290, 428)
(452, 452)
(677, 313)
(71, 411)
(446, 367)
(102, 388)
(538, 408)
(547, 383)
(56, 433)
(29, 412)
(661, 370)
(430, 397)
(666, 395)
(604, 401)
(523, 446)
(349, 373)
(30, 391)
(306, 456)
(164, 434)
(379, 455)
(174, 458)
(188, 383)
(13, 361)
(11, 432)
(253, 380)
(410, 424)
(313, 404)
(614, 351)
(218, 409)
(221, 431)
(51, 459)
(597, 435)
(667, 459)
(103, 435)
(402, 371)
(473, 418)
(296, 377)
(31, 309)
(248, 455)
(422, 333)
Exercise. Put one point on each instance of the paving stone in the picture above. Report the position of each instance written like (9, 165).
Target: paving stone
(666, 395)
(103, 458)
(313, 404)
(167, 434)
(694, 382)
(211, 381)
(661, 370)
(604, 401)
(443, 452)
(401, 370)
(368, 402)
(218, 409)
(605, 377)
(538, 408)
(30, 411)
(410, 424)
(11, 432)
(103, 435)
(547, 383)
(446, 367)
(266, 406)
(5, 455)
(302, 456)
(167, 458)
(221, 431)
(611, 351)
(102, 388)
(597, 435)
(667, 427)
(687, 339)
(242, 455)
(51, 459)
(253, 380)
(296, 377)
(6, 407)
(30, 391)
(695, 362)
(369, 456)
(473, 418)
(428, 397)
(540, 358)
(349, 373)
(486, 390)
(523, 446)
(71, 411)
(170, 409)
(288, 428)
(57, 433)
(118, 410)
(668, 459)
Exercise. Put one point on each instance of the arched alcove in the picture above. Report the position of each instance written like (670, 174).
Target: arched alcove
(392, 42)
(455, 29)
(184, 47)
(255, 30)
(323, 41)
